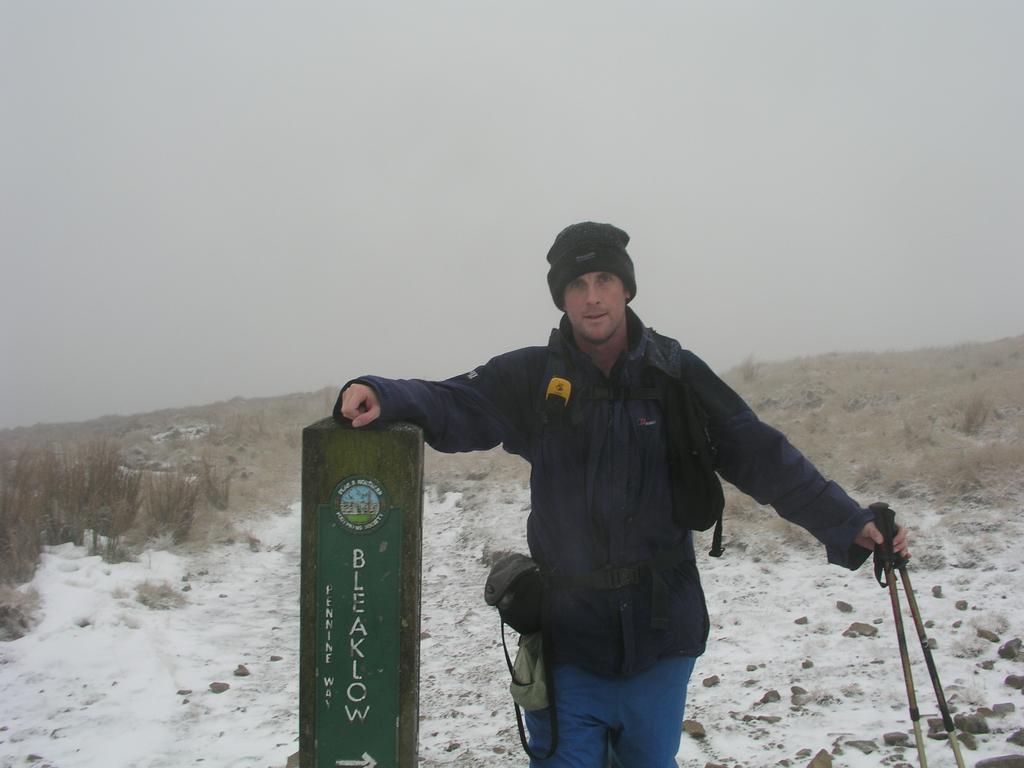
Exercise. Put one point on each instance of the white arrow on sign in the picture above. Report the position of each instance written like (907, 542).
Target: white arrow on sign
(366, 762)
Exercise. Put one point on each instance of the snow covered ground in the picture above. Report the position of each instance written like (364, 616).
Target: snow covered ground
(104, 681)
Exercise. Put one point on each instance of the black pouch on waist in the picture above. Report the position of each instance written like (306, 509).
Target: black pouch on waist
(515, 586)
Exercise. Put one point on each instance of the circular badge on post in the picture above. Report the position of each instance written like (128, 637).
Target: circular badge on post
(360, 504)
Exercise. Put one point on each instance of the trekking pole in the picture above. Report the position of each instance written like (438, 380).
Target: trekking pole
(888, 530)
(947, 721)
(885, 557)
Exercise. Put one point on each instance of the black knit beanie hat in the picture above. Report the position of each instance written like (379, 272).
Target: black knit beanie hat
(588, 247)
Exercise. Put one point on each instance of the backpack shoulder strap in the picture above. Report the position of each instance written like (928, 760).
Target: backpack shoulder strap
(698, 500)
(665, 354)
(558, 402)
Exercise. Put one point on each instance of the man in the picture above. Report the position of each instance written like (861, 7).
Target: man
(611, 499)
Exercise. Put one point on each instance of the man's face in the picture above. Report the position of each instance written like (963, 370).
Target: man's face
(595, 303)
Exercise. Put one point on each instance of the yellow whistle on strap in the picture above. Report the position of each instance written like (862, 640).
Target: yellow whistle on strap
(559, 387)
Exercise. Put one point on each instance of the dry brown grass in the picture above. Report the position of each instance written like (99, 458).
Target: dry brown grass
(23, 505)
(941, 424)
(748, 369)
(171, 504)
(215, 483)
(107, 496)
(159, 595)
(188, 473)
(18, 608)
(51, 499)
(975, 410)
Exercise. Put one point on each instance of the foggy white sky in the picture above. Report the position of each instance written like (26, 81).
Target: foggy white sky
(200, 200)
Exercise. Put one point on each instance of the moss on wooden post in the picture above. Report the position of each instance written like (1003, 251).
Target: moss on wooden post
(362, 495)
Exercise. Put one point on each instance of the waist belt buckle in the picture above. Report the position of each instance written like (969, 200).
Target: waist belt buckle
(622, 577)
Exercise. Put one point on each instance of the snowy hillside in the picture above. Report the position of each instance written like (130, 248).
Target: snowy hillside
(116, 661)
(105, 681)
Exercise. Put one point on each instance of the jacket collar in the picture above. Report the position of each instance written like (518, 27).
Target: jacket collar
(639, 341)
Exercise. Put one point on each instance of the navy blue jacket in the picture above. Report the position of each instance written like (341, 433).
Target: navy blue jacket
(600, 491)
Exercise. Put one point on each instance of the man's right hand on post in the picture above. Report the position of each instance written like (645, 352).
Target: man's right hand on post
(360, 404)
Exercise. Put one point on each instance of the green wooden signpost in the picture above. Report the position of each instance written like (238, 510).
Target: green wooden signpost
(362, 495)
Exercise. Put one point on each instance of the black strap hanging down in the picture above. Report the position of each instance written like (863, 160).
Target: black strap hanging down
(549, 679)
(697, 497)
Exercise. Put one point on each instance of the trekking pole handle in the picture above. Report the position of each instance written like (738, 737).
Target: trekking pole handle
(885, 521)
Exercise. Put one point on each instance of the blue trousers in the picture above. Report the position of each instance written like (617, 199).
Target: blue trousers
(629, 722)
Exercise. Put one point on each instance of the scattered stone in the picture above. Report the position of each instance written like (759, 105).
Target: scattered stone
(844, 607)
(961, 605)
(896, 739)
(184, 692)
(219, 687)
(936, 591)
(1003, 708)
(800, 699)
(770, 697)
(933, 643)
(939, 736)
(452, 746)
(242, 671)
(860, 629)
(1015, 681)
(801, 620)
(276, 658)
(930, 624)
(1017, 738)
(751, 667)
(187, 588)
(987, 664)
(34, 758)
(1005, 761)
(796, 689)
(957, 624)
(693, 729)
(821, 760)
(867, 747)
(935, 725)
(971, 723)
(807, 664)
(1011, 649)
(710, 682)
(968, 740)
(715, 765)
(985, 634)
(770, 719)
